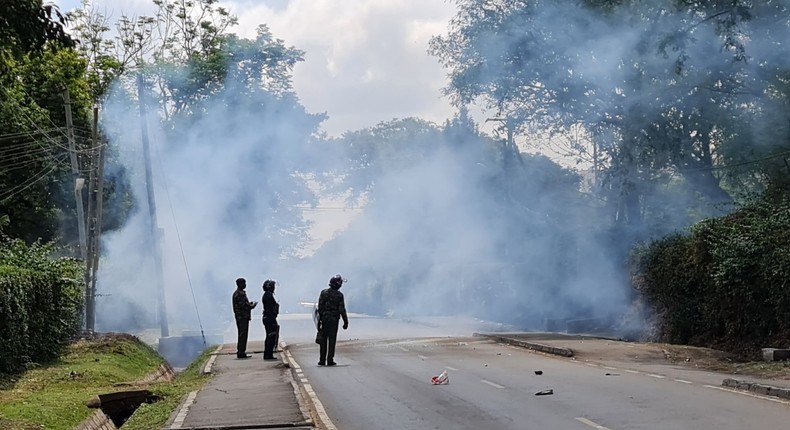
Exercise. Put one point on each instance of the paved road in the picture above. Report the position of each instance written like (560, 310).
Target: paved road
(385, 366)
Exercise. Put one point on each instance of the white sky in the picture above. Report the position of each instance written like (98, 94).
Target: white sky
(365, 60)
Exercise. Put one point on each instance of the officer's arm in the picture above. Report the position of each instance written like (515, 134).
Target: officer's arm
(249, 303)
(343, 312)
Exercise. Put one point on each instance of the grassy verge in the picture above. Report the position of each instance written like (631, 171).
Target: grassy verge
(53, 397)
(155, 415)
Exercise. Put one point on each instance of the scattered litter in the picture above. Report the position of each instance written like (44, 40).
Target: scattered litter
(498, 353)
(486, 365)
(442, 378)
(463, 343)
(545, 392)
(538, 372)
(612, 374)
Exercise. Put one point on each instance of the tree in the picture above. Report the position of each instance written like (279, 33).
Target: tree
(36, 174)
(658, 85)
(26, 25)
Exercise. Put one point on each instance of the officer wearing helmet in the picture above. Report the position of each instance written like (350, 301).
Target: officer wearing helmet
(271, 309)
(331, 307)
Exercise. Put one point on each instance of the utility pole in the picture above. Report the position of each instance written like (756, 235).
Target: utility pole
(91, 218)
(75, 170)
(95, 186)
(149, 185)
(78, 185)
(101, 147)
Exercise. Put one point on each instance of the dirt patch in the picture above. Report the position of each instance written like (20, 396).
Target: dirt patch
(101, 342)
(683, 356)
(607, 350)
(711, 359)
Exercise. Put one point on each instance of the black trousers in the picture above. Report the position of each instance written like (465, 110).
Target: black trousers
(329, 330)
(272, 336)
(243, 327)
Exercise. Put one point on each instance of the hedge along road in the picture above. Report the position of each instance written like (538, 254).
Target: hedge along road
(383, 381)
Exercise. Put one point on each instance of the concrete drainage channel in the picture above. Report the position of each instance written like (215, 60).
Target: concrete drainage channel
(114, 409)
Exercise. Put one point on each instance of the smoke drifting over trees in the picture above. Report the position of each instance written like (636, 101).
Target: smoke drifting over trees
(683, 108)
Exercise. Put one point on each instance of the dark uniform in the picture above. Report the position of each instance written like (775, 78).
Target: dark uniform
(271, 309)
(242, 310)
(331, 307)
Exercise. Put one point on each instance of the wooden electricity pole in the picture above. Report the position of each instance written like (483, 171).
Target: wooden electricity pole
(75, 170)
(78, 185)
(96, 189)
(155, 246)
(99, 197)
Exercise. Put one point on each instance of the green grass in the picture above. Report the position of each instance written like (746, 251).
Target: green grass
(53, 396)
(155, 415)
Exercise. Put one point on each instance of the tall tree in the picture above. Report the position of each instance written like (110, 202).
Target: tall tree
(26, 25)
(658, 85)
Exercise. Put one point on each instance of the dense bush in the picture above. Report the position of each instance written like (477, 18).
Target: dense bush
(726, 283)
(40, 303)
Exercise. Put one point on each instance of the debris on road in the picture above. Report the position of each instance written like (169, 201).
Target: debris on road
(442, 378)
(612, 374)
(538, 372)
(485, 365)
(545, 392)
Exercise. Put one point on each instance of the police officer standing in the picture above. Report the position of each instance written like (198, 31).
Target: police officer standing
(331, 307)
(242, 309)
(271, 309)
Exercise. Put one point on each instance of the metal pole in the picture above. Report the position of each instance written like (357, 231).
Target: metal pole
(149, 185)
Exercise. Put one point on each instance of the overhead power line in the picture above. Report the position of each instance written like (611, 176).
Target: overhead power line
(744, 163)
(43, 174)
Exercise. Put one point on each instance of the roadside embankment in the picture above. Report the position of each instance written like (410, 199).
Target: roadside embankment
(95, 371)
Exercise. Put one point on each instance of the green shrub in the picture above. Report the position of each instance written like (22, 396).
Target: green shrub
(725, 284)
(40, 304)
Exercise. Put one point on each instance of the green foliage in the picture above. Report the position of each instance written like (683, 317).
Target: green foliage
(725, 283)
(40, 304)
(155, 415)
(26, 25)
(54, 396)
(645, 79)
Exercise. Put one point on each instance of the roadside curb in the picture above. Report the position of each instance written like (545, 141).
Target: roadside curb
(312, 408)
(210, 362)
(766, 390)
(555, 350)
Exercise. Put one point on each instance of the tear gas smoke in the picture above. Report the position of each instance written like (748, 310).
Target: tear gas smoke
(435, 238)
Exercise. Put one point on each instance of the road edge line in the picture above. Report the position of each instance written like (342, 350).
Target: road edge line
(320, 417)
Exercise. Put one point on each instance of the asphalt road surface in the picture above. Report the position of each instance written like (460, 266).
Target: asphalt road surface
(383, 381)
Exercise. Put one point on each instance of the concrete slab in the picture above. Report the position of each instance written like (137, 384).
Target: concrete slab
(775, 354)
(246, 393)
